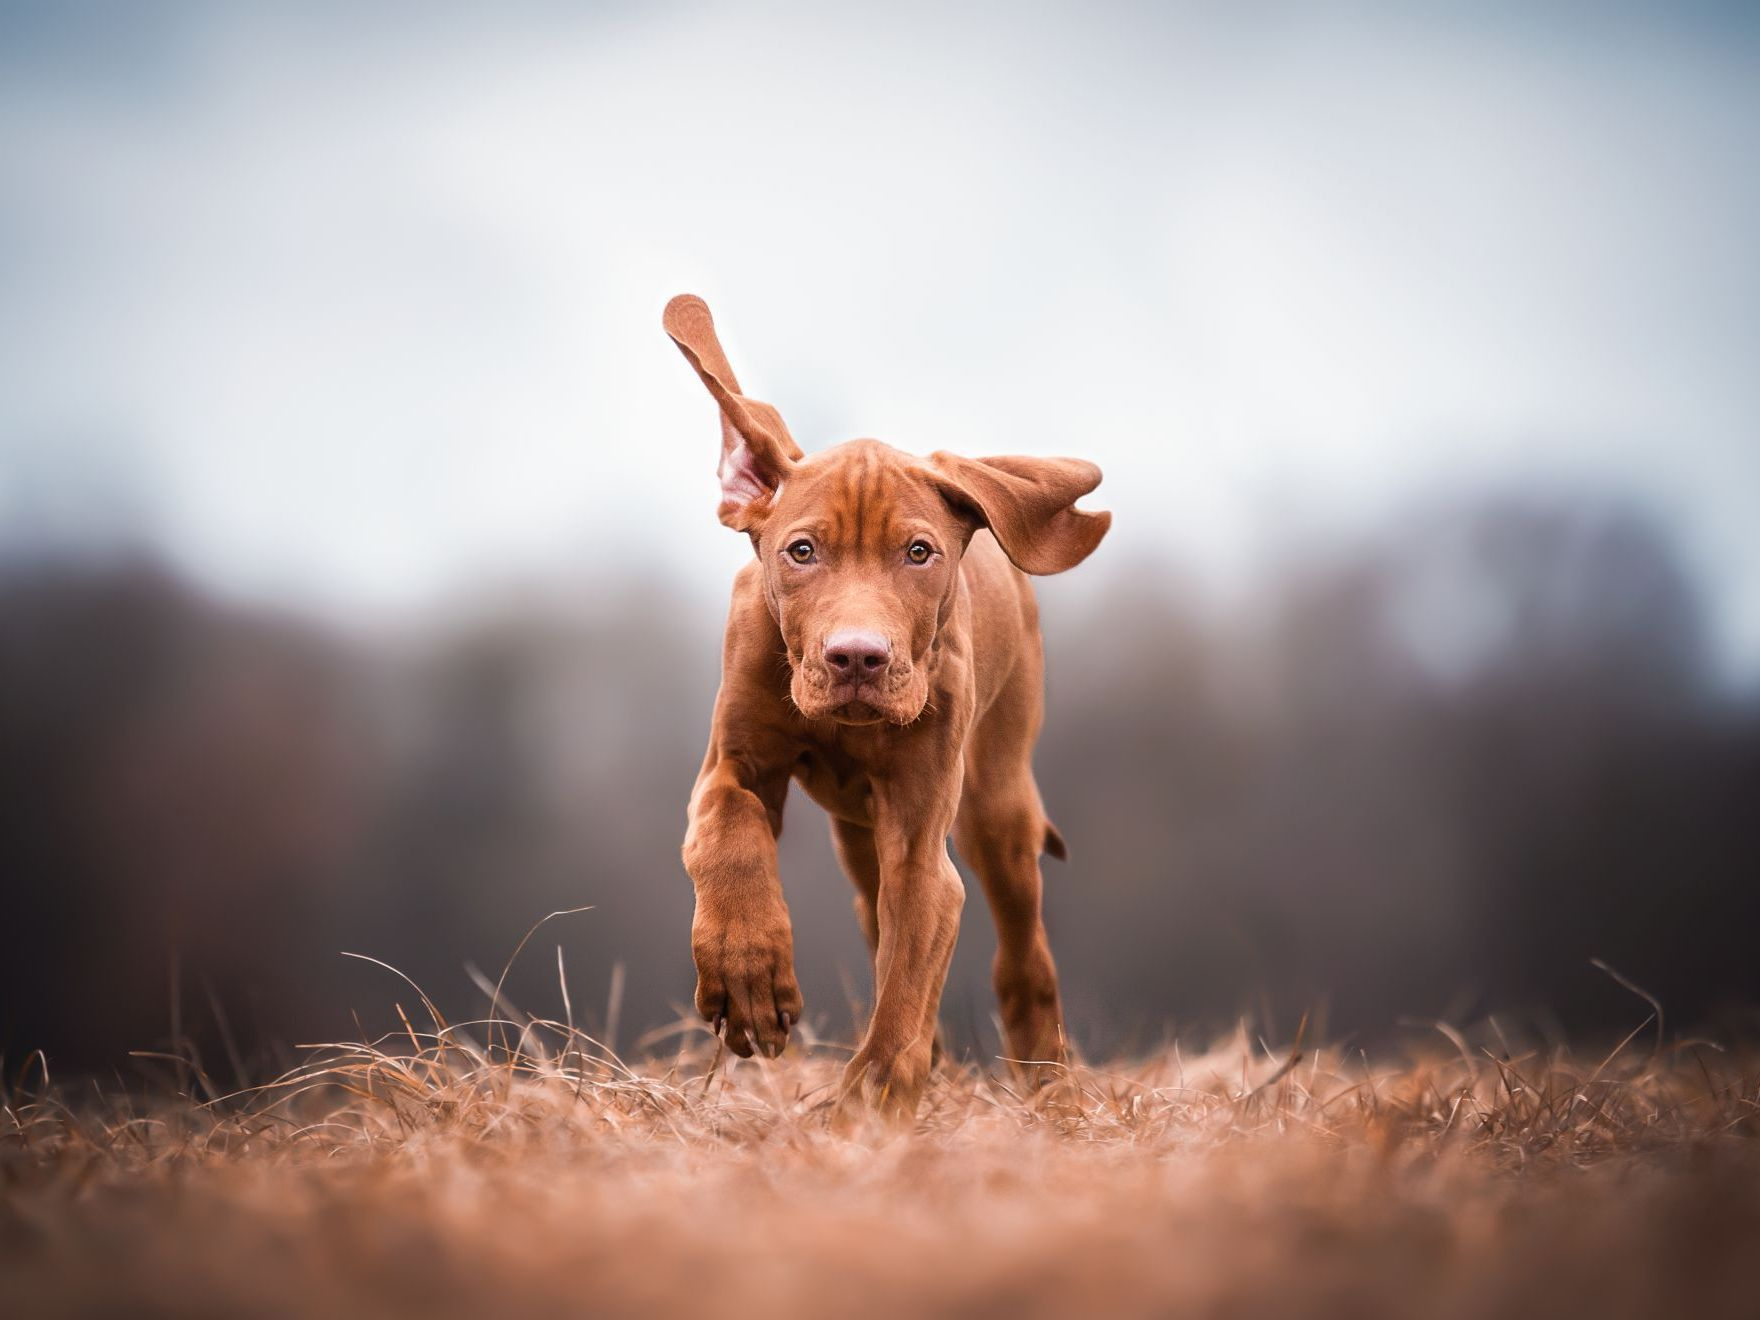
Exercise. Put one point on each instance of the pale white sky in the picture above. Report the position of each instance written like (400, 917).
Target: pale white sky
(355, 311)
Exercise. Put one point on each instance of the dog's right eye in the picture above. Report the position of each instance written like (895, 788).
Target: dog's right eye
(800, 551)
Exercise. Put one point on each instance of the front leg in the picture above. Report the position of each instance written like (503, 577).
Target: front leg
(919, 908)
(741, 940)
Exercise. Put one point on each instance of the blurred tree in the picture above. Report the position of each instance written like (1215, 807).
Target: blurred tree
(1431, 773)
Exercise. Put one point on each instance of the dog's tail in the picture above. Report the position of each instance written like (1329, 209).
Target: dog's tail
(1054, 843)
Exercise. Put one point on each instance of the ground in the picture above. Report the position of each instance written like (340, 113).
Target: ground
(525, 1170)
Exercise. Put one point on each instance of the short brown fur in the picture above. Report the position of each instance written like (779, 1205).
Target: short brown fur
(883, 651)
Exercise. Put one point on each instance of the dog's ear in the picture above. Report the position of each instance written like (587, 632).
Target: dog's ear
(756, 448)
(1028, 504)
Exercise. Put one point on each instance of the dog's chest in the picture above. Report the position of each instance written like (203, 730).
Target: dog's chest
(837, 782)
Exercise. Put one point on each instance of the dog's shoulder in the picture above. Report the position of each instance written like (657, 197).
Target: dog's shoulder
(753, 654)
(999, 590)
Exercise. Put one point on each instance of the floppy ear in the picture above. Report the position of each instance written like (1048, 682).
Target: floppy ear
(1028, 504)
(756, 448)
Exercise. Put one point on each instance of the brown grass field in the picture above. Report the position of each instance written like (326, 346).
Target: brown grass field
(500, 1168)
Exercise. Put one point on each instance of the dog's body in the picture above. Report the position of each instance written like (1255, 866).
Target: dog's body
(884, 652)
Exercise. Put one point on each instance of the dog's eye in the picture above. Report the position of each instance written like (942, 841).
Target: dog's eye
(919, 552)
(800, 551)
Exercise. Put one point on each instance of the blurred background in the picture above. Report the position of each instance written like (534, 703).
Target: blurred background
(360, 586)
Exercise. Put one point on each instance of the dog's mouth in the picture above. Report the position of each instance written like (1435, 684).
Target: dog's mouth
(857, 712)
(859, 704)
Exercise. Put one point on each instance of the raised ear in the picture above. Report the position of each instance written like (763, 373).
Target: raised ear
(756, 448)
(1028, 504)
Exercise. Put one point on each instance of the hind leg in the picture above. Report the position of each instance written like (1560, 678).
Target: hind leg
(1000, 831)
(1001, 838)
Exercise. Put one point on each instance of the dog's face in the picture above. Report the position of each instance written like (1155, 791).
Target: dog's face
(860, 552)
(860, 544)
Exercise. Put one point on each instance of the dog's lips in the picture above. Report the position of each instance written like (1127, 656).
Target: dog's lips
(856, 712)
(819, 696)
(860, 703)
(846, 694)
(856, 703)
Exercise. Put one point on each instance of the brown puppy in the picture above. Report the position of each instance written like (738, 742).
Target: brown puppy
(883, 651)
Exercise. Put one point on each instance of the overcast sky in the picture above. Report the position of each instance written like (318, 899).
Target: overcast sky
(355, 311)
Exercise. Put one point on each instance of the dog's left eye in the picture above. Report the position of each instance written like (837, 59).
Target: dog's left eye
(919, 552)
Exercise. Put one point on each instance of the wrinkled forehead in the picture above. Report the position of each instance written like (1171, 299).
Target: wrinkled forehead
(862, 493)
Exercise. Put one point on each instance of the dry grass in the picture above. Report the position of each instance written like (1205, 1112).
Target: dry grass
(498, 1168)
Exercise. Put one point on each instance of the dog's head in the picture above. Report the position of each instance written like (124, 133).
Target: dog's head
(860, 544)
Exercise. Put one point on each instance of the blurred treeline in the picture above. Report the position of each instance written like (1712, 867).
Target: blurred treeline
(1431, 773)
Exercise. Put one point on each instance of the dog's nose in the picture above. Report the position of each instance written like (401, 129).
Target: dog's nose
(857, 655)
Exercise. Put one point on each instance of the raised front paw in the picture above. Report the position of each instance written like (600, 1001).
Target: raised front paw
(745, 981)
